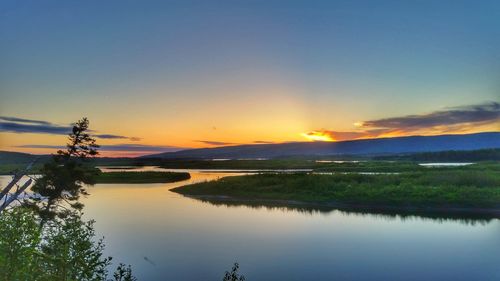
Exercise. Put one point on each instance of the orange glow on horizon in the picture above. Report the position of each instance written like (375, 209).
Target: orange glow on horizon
(317, 136)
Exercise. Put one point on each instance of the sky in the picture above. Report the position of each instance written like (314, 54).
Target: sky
(156, 76)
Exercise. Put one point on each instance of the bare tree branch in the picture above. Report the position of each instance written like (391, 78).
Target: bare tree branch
(15, 179)
(14, 196)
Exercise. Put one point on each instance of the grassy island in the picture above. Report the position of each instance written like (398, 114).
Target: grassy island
(141, 177)
(433, 189)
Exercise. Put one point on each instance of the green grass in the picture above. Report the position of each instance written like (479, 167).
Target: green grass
(402, 166)
(371, 167)
(461, 188)
(447, 156)
(141, 177)
(362, 166)
(9, 169)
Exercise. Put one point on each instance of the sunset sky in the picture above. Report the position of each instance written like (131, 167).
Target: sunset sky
(165, 75)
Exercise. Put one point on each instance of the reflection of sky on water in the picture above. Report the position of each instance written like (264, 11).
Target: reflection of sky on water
(166, 236)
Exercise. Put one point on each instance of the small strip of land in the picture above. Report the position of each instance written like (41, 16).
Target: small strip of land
(141, 177)
(457, 189)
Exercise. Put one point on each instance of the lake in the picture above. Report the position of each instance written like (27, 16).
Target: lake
(166, 236)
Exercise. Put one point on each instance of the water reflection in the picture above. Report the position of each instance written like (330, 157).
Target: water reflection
(166, 236)
(402, 215)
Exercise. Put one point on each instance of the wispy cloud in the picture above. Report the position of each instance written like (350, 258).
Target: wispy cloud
(488, 112)
(449, 120)
(222, 143)
(22, 120)
(21, 125)
(38, 128)
(217, 143)
(263, 142)
(110, 136)
(114, 147)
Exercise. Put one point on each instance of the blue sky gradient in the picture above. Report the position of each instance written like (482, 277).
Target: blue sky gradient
(334, 63)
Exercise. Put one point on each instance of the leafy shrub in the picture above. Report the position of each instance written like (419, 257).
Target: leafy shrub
(57, 250)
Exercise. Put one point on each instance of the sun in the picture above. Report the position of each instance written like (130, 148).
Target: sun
(317, 136)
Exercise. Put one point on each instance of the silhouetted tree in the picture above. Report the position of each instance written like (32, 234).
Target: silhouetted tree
(63, 178)
(233, 275)
(123, 273)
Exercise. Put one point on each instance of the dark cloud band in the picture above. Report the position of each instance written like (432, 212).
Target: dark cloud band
(459, 115)
(115, 147)
(22, 120)
(219, 143)
(116, 137)
(12, 127)
(454, 119)
(21, 125)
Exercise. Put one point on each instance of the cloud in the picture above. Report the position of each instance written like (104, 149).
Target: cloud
(221, 143)
(114, 147)
(327, 135)
(110, 136)
(218, 143)
(21, 125)
(487, 112)
(263, 142)
(39, 128)
(22, 120)
(140, 147)
(449, 120)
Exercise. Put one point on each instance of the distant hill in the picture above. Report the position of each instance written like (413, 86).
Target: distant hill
(412, 144)
(19, 158)
(8, 157)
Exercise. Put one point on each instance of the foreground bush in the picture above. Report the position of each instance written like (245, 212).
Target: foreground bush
(58, 250)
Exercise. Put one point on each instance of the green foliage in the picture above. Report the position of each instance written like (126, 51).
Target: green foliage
(20, 237)
(233, 275)
(141, 177)
(70, 252)
(448, 156)
(460, 188)
(370, 167)
(124, 273)
(58, 250)
(10, 169)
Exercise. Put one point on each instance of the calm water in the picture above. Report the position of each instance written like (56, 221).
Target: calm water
(166, 236)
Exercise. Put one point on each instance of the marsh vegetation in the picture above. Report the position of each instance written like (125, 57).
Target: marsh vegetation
(141, 177)
(451, 188)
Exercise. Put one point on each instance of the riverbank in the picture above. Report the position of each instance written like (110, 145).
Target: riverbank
(142, 177)
(462, 190)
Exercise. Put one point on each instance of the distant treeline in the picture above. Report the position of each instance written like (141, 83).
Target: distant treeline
(450, 155)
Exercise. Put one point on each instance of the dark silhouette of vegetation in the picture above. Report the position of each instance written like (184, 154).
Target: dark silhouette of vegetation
(448, 156)
(35, 244)
(141, 177)
(63, 178)
(233, 275)
(124, 273)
